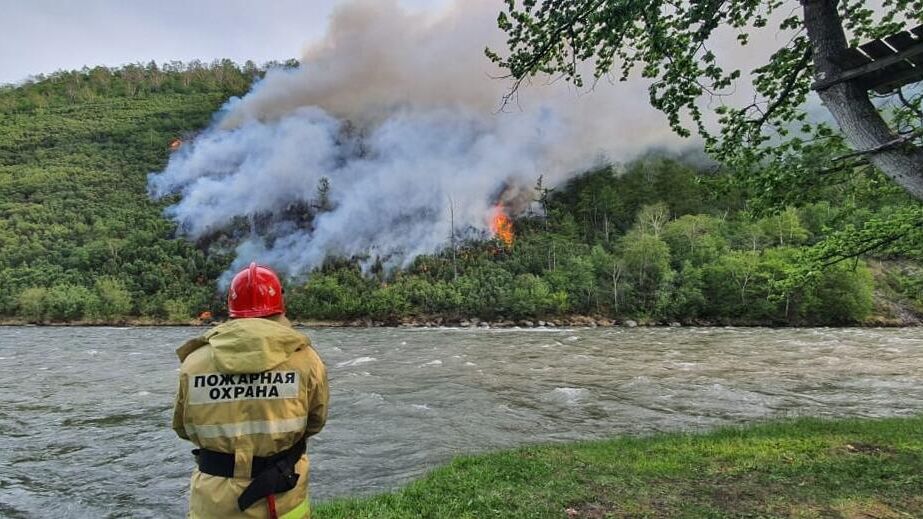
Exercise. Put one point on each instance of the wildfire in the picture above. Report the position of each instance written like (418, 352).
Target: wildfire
(501, 226)
(176, 144)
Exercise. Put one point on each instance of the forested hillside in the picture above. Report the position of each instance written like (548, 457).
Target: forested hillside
(657, 239)
(78, 234)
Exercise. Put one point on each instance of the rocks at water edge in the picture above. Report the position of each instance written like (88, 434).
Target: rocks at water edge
(577, 321)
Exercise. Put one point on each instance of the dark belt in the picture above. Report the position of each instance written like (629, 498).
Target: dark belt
(270, 474)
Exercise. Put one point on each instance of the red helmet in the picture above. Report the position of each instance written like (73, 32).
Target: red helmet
(255, 292)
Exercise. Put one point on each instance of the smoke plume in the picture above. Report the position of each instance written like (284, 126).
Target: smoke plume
(388, 126)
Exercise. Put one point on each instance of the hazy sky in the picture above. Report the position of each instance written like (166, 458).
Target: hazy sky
(41, 36)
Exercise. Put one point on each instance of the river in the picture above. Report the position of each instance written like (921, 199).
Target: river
(85, 413)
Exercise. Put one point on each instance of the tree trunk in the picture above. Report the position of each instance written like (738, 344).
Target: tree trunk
(849, 102)
(616, 274)
(452, 218)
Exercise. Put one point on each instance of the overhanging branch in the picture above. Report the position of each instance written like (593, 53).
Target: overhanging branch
(790, 83)
(865, 247)
(899, 141)
(541, 54)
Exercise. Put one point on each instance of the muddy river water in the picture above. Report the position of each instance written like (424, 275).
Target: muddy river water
(85, 412)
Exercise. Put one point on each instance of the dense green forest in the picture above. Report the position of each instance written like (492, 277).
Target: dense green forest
(659, 239)
(79, 237)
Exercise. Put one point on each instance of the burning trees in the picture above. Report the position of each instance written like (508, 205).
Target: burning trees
(501, 226)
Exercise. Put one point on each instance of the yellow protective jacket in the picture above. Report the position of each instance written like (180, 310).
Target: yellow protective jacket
(250, 387)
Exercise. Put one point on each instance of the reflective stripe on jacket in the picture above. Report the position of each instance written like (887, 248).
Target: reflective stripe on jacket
(250, 387)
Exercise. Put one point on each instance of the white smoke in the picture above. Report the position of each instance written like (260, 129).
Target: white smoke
(399, 110)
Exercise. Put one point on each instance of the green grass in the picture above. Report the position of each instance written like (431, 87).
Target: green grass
(803, 468)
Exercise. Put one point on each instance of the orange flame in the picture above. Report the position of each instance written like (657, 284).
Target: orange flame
(176, 144)
(501, 226)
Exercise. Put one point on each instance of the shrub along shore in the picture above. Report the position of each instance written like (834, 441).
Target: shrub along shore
(800, 468)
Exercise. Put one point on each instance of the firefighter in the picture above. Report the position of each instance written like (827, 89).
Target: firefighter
(251, 391)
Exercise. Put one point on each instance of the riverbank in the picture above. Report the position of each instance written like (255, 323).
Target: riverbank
(802, 468)
(486, 325)
(895, 320)
(891, 309)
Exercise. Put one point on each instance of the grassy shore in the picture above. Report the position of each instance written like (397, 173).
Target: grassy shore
(806, 468)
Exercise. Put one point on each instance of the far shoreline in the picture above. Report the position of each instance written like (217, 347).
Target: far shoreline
(576, 321)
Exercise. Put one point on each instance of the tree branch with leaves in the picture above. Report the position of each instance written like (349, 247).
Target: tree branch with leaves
(670, 43)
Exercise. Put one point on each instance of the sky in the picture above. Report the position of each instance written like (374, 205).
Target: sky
(42, 36)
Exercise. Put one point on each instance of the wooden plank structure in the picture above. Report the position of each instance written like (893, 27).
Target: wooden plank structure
(882, 65)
